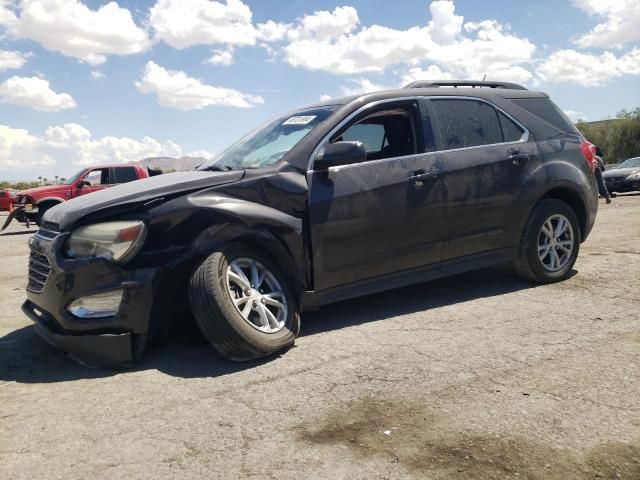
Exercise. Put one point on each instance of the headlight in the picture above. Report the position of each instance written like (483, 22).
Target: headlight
(634, 176)
(117, 241)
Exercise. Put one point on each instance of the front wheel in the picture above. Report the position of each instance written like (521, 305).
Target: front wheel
(243, 303)
(550, 243)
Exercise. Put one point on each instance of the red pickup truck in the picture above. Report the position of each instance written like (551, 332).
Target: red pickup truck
(7, 197)
(30, 205)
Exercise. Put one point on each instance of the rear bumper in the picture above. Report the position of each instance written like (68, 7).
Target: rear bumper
(99, 350)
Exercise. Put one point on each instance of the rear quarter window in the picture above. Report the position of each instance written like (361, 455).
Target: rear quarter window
(546, 110)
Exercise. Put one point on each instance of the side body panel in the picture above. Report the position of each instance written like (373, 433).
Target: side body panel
(479, 185)
(369, 219)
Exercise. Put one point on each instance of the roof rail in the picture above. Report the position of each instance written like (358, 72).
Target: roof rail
(463, 83)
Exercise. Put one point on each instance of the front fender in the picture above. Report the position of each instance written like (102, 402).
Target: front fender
(276, 232)
(55, 200)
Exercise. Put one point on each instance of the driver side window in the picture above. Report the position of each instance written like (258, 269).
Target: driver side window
(98, 177)
(385, 133)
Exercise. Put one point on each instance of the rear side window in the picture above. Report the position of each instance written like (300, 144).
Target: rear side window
(2, 194)
(125, 174)
(466, 123)
(544, 109)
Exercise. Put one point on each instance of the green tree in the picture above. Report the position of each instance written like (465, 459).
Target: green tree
(618, 138)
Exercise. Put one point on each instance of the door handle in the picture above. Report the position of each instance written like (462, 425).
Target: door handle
(517, 158)
(418, 177)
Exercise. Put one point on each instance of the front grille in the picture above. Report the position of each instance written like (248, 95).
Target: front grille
(39, 269)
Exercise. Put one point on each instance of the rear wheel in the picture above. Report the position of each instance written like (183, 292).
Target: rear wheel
(550, 243)
(243, 303)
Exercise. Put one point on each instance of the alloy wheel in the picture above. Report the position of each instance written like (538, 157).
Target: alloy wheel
(257, 295)
(555, 242)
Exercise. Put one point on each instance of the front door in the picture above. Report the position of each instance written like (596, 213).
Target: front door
(382, 215)
(96, 179)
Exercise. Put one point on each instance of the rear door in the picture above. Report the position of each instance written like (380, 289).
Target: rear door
(124, 174)
(375, 218)
(483, 155)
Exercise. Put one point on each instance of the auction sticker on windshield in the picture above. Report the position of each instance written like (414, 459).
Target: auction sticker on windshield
(299, 120)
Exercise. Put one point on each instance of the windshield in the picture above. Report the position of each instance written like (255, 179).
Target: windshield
(267, 145)
(73, 178)
(630, 163)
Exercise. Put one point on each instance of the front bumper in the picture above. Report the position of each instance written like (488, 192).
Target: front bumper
(55, 282)
(100, 350)
(622, 185)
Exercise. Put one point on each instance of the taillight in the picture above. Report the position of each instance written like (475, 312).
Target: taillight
(588, 150)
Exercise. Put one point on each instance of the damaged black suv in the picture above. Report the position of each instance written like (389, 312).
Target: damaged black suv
(340, 199)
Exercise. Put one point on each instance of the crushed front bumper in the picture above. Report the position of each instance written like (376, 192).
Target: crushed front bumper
(98, 350)
(55, 282)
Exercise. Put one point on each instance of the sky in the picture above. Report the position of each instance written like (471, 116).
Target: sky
(85, 82)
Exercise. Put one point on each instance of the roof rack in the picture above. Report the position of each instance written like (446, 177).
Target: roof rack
(463, 83)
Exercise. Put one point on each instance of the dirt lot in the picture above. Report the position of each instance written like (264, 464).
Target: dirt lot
(477, 376)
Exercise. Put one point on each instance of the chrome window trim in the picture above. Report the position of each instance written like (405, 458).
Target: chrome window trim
(336, 168)
(523, 139)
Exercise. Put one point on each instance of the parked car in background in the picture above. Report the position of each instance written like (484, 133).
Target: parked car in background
(625, 177)
(30, 205)
(7, 198)
(344, 198)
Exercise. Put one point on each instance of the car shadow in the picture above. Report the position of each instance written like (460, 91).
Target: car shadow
(26, 358)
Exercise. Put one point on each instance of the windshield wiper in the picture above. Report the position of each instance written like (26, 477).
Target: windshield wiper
(217, 168)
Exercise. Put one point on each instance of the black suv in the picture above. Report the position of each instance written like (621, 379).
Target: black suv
(336, 200)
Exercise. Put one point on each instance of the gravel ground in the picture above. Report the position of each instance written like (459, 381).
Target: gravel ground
(476, 376)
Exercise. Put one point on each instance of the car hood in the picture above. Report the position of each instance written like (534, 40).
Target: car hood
(136, 193)
(46, 189)
(621, 172)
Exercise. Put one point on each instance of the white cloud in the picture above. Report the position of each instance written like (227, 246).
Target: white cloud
(97, 75)
(183, 23)
(432, 72)
(465, 50)
(587, 69)
(34, 92)
(72, 145)
(621, 23)
(73, 29)
(324, 25)
(177, 90)
(445, 25)
(359, 86)
(574, 116)
(11, 60)
(221, 57)
(325, 97)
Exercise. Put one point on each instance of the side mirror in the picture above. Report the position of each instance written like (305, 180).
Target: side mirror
(340, 153)
(83, 183)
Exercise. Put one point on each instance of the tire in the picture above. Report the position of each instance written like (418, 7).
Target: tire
(41, 212)
(528, 262)
(221, 322)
